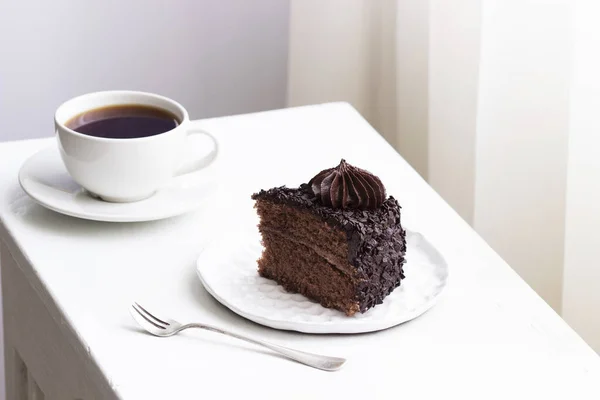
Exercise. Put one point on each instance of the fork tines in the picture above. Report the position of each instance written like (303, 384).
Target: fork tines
(157, 322)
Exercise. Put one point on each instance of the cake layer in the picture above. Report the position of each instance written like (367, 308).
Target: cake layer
(305, 228)
(299, 269)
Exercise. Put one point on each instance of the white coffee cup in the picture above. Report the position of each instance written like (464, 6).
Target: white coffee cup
(126, 170)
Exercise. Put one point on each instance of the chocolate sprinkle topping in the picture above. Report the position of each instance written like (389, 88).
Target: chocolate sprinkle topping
(376, 240)
(346, 186)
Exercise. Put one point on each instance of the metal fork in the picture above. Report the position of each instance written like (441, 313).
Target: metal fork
(169, 327)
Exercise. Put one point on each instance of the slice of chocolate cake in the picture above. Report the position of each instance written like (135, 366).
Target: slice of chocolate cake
(337, 240)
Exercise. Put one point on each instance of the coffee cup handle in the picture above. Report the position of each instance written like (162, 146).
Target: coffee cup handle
(196, 165)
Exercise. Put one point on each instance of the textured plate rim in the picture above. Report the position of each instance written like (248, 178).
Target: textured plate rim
(329, 327)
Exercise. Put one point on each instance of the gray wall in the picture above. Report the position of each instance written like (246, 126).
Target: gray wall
(217, 57)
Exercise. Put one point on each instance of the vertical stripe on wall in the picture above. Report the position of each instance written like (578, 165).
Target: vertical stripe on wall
(522, 137)
(581, 292)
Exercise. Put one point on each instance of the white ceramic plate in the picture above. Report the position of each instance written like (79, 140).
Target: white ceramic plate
(228, 271)
(44, 178)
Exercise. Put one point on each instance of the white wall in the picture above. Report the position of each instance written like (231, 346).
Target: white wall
(216, 57)
(329, 60)
(343, 50)
(522, 137)
(412, 84)
(581, 294)
(453, 77)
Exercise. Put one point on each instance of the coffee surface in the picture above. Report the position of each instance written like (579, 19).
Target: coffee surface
(124, 122)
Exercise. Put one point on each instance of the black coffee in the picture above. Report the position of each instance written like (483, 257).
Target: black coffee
(123, 122)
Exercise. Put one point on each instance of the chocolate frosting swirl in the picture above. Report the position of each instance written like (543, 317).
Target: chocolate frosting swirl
(346, 186)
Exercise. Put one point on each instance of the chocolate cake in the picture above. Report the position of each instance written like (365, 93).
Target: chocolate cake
(337, 240)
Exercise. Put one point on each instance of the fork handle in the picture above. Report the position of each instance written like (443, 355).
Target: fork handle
(325, 363)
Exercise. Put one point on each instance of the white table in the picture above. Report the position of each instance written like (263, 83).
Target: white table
(67, 284)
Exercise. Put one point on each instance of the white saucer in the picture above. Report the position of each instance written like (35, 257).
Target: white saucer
(228, 271)
(44, 177)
